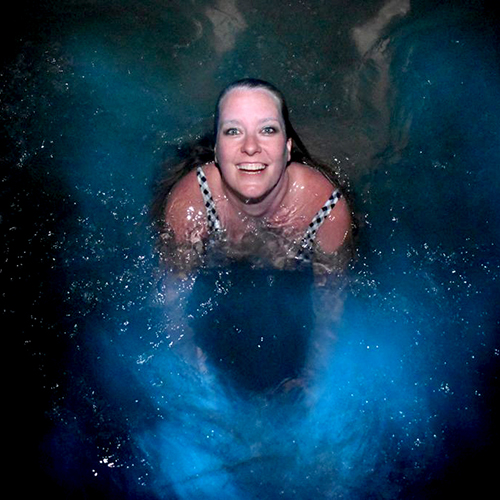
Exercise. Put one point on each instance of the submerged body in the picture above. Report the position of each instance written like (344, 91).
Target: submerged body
(251, 222)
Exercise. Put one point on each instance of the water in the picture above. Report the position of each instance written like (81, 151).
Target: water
(401, 403)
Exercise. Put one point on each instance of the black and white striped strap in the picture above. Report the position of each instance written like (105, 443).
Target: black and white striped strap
(307, 242)
(213, 222)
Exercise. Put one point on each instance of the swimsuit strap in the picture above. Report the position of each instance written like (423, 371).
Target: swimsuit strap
(213, 222)
(307, 242)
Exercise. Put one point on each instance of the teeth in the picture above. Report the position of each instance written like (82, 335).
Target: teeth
(254, 167)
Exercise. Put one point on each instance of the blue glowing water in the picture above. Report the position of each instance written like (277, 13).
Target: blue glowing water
(402, 400)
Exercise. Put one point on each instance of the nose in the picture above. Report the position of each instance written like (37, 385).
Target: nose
(250, 145)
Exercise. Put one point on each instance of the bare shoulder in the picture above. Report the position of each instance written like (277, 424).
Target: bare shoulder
(336, 229)
(312, 182)
(184, 212)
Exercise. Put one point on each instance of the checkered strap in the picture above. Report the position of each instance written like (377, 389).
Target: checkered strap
(307, 242)
(213, 222)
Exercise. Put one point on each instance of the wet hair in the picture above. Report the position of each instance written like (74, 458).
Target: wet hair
(188, 156)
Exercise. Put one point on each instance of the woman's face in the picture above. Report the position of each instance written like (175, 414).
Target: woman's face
(251, 147)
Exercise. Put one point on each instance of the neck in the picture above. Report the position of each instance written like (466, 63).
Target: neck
(264, 207)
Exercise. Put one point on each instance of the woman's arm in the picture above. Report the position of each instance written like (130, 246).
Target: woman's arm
(336, 231)
(184, 225)
(184, 211)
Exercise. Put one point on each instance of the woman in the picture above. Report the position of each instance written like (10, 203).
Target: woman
(257, 200)
(257, 189)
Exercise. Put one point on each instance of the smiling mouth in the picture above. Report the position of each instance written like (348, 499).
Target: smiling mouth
(251, 167)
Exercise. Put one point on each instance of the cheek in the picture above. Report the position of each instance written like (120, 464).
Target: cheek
(223, 157)
(222, 150)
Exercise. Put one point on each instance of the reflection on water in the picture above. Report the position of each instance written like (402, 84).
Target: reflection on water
(401, 380)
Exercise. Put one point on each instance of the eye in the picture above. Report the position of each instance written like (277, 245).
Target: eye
(269, 130)
(231, 131)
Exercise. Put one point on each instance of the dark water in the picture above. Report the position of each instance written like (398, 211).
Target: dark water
(403, 99)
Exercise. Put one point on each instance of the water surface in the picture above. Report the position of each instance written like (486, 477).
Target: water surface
(403, 99)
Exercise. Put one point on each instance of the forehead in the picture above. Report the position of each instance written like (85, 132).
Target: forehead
(242, 100)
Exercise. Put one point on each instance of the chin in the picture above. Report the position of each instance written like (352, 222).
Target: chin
(253, 196)
(252, 189)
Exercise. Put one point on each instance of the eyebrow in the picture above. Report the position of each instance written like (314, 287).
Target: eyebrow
(263, 120)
